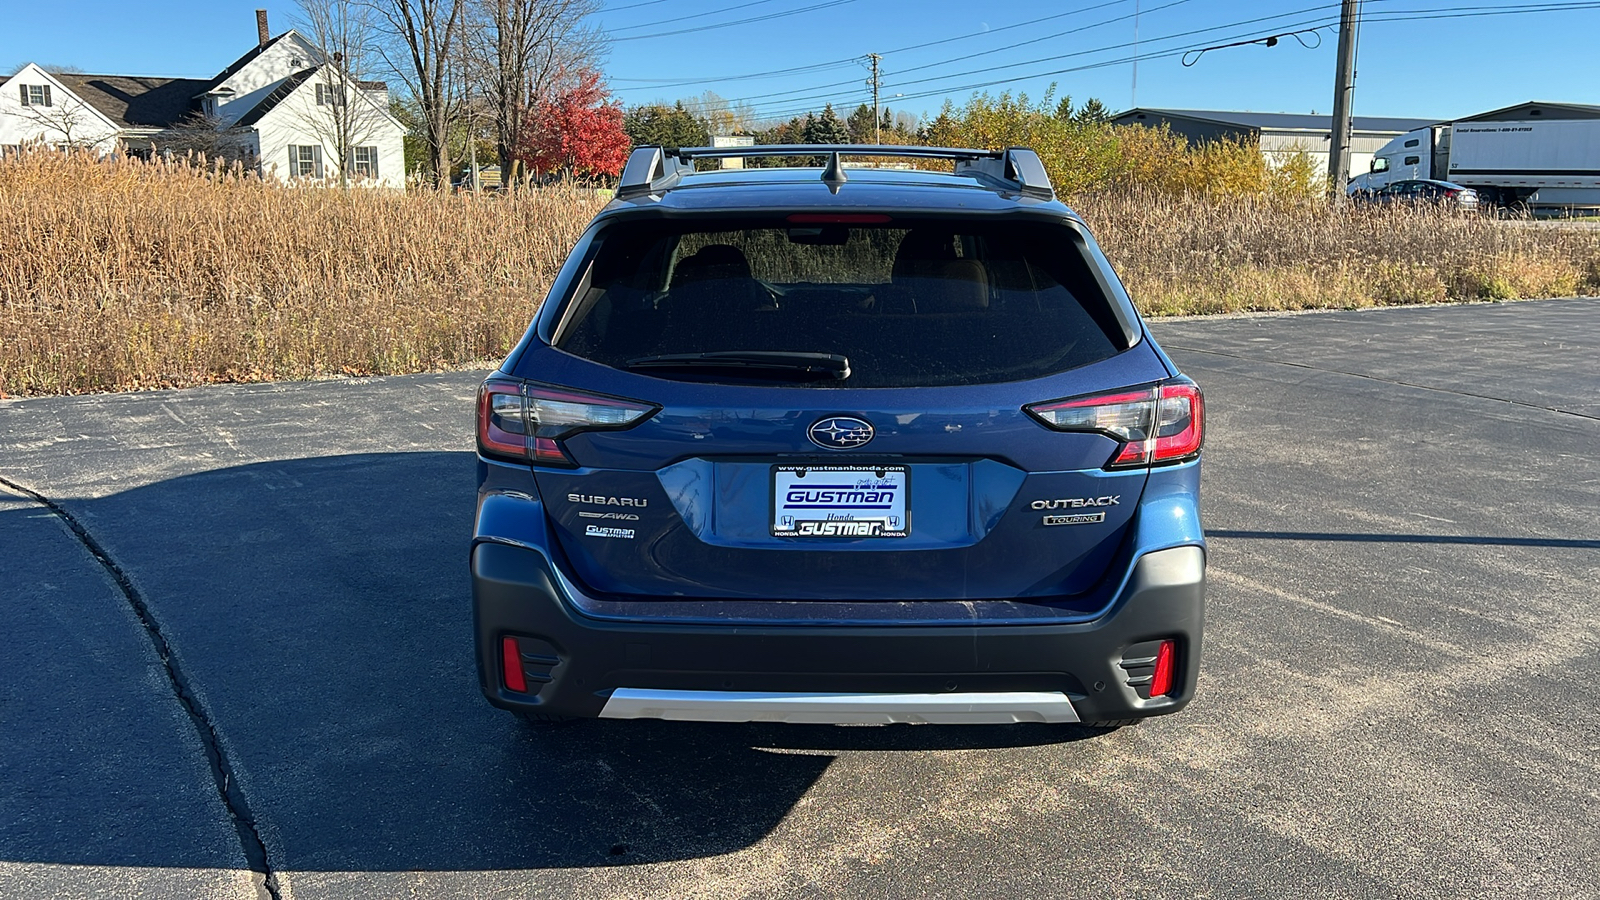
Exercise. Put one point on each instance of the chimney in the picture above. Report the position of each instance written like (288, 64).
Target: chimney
(261, 27)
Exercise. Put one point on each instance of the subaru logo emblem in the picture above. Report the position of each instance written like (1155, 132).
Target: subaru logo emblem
(840, 432)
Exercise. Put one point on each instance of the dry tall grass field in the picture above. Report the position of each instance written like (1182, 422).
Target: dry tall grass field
(128, 275)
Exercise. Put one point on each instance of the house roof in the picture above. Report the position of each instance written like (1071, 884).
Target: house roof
(1273, 121)
(1538, 109)
(135, 102)
(240, 63)
(271, 100)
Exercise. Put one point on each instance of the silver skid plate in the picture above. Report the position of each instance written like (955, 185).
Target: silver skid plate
(1001, 708)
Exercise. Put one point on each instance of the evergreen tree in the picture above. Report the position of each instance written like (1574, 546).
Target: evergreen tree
(826, 128)
(861, 125)
(1092, 113)
(671, 127)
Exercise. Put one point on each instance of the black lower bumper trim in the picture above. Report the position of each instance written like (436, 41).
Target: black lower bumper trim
(515, 595)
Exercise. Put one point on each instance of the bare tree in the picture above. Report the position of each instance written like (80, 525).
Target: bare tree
(424, 50)
(720, 116)
(68, 119)
(201, 137)
(346, 115)
(522, 52)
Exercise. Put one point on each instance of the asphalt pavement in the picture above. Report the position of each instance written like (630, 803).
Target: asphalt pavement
(239, 661)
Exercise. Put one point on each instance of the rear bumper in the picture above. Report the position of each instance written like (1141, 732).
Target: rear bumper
(575, 665)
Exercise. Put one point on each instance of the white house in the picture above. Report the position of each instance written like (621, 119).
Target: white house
(282, 107)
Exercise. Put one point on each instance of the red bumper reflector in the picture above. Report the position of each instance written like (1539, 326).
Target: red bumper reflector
(511, 662)
(1161, 681)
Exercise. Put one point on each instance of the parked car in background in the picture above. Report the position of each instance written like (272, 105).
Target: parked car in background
(1420, 191)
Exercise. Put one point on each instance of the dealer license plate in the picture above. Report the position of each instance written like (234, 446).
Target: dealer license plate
(840, 501)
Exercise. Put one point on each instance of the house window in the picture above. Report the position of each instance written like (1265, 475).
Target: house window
(364, 162)
(305, 161)
(36, 95)
(328, 95)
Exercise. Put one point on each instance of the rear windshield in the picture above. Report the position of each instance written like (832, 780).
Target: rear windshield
(906, 303)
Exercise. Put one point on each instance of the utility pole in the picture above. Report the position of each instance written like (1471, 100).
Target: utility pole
(1133, 93)
(877, 117)
(1344, 89)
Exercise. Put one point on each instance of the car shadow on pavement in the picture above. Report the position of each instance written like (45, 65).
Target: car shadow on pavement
(320, 609)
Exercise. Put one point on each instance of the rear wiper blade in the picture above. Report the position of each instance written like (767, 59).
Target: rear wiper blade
(799, 365)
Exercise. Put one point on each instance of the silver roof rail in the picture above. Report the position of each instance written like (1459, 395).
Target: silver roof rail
(652, 169)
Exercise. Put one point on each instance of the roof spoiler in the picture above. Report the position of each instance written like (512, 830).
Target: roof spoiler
(652, 170)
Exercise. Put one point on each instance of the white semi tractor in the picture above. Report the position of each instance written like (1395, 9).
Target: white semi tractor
(1542, 164)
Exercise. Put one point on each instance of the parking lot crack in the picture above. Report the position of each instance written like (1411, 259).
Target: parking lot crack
(222, 773)
(1423, 387)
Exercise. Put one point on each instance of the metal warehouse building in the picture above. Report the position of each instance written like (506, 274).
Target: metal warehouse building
(1279, 134)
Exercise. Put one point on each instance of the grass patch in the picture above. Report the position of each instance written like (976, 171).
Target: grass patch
(1182, 255)
(127, 275)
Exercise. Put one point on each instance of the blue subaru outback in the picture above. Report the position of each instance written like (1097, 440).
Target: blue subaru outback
(845, 445)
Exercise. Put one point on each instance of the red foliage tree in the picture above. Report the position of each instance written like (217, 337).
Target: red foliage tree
(577, 132)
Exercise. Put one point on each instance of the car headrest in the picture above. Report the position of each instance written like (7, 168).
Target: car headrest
(715, 261)
(955, 285)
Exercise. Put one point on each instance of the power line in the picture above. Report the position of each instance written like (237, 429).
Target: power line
(699, 15)
(906, 49)
(925, 66)
(763, 18)
(1028, 62)
(1390, 16)
(791, 102)
(606, 9)
(1385, 16)
(1320, 22)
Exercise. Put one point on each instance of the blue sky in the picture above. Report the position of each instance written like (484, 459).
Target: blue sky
(1426, 68)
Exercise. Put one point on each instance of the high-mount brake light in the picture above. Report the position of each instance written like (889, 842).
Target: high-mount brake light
(1157, 425)
(839, 219)
(522, 421)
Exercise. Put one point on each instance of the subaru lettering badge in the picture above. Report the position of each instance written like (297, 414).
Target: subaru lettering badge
(840, 433)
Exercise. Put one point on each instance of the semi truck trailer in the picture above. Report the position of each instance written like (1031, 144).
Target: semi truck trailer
(1539, 164)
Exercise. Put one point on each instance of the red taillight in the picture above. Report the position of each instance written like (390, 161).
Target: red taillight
(523, 421)
(1163, 423)
(1180, 422)
(502, 419)
(511, 663)
(1161, 681)
(1451, 193)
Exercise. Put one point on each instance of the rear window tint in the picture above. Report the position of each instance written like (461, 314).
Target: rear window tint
(908, 303)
